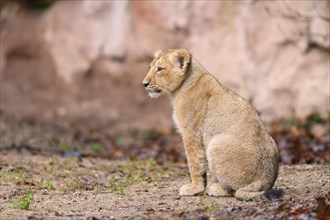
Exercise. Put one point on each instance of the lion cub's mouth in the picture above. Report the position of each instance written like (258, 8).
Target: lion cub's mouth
(154, 93)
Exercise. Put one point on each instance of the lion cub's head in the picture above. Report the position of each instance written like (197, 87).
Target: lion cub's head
(167, 72)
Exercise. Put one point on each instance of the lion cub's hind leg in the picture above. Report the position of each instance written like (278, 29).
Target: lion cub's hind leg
(213, 153)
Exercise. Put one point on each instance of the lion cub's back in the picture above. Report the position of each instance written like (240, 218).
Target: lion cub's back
(230, 113)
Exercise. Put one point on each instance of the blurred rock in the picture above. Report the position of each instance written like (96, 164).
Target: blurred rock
(275, 54)
(320, 27)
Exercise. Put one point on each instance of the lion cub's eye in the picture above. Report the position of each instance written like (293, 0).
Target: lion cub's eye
(159, 69)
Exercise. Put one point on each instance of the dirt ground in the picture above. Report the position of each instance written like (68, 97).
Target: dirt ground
(94, 188)
(82, 169)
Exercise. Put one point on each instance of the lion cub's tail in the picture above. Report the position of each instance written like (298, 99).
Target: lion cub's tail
(245, 195)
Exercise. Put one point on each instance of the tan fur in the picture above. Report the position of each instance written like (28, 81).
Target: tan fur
(219, 129)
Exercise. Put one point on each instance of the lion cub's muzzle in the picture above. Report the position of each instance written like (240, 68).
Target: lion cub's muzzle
(153, 91)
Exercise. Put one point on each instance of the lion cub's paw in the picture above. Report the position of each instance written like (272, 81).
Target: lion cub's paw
(215, 189)
(191, 189)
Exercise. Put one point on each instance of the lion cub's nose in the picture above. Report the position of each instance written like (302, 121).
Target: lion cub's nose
(145, 84)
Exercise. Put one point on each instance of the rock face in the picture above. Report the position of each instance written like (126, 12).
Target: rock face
(88, 58)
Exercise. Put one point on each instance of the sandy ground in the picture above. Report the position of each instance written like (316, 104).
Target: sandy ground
(93, 188)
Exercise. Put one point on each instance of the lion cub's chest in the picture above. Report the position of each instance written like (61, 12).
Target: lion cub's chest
(189, 114)
(176, 122)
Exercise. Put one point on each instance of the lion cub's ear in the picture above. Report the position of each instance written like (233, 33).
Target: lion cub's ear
(157, 53)
(180, 58)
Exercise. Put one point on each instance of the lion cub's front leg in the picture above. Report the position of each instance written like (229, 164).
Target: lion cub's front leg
(197, 166)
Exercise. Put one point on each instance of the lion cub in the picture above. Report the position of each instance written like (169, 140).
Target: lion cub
(219, 129)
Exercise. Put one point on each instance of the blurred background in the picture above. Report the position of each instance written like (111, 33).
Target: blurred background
(71, 72)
